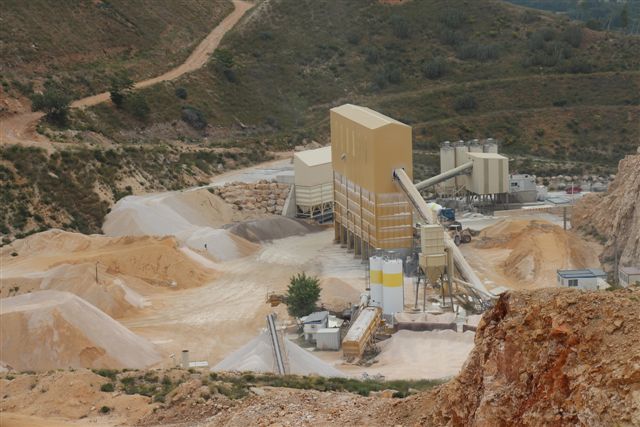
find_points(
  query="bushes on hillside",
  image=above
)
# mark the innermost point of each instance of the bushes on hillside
(194, 118)
(435, 68)
(120, 87)
(479, 52)
(54, 103)
(400, 27)
(465, 102)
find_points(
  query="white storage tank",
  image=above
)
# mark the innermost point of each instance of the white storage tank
(490, 146)
(447, 162)
(375, 281)
(392, 287)
(462, 157)
(474, 146)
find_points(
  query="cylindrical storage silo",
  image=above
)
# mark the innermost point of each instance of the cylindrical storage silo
(461, 151)
(375, 281)
(474, 146)
(392, 287)
(490, 146)
(447, 162)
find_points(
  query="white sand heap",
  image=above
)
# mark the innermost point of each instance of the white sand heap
(257, 356)
(428, 355)
(193, 217)
(51, 330)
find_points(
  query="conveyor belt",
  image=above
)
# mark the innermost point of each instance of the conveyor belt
(429, 216)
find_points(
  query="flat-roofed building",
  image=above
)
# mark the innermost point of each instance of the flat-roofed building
(628, 276)
(588, 278)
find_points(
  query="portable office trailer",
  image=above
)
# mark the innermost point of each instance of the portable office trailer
(328, 339)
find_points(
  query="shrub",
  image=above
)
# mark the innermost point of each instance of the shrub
(120, 88)
(54, 104)
(435, 68)
(400, 27)
(108, 387)
(573, 35)
(105, 410)
(138, 107)
(302, 295)
(181, 93)
(353, 38)
(465, 102)
(194, 118)
(451, 37)
(372, 55)
(453, 18)
(479, 52)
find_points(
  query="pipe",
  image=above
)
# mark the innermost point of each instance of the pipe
(444, 176)
(427, 215)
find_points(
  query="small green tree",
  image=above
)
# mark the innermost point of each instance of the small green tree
(302, 295)
(121, 85)
(54, 103)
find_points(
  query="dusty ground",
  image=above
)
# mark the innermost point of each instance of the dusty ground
(525, 253)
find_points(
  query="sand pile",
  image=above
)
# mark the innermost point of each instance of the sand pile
(193, 217)
(268, 229)
(127, 268)
(558, 357)
(50, 330)
(536, 250)
(257, 356)
(422, 355)
(616, 213)
(337, 294)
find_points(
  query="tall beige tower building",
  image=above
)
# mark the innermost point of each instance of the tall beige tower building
(370, 211)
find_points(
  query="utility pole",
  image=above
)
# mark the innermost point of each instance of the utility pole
(564, 218)
(615, 254)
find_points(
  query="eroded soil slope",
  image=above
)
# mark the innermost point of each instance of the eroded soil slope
(615, 214)
(548, 357)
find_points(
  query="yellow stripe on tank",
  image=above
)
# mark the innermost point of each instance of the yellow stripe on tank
(376, 276)
(392, 280)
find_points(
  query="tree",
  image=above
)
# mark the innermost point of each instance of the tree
(137, 105)
(121, 85)
(54, 103)
(302, 295)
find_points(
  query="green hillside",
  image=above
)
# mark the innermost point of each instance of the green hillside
(544, 85)
(78, 43)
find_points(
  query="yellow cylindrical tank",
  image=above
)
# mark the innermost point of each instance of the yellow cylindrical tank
(392, 286)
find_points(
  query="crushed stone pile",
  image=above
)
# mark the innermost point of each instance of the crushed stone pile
(269, 229)
(53, 330)
(559, 357)
(616, 213)
(257, 356)
(262, 197)
(537, 248)
(193, 217)
(127, 268)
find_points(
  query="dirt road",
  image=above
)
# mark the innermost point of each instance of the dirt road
(20, 128)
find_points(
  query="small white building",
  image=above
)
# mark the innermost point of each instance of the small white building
(313, 323)
(628, 276)
(589, 278)
(313, 183)
(328, 339)
(522, 188)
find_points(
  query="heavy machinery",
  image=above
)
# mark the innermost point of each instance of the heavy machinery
(447, 217)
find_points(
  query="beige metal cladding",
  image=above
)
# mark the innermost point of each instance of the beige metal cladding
(490, 173)
(313, 181)
(366, 148)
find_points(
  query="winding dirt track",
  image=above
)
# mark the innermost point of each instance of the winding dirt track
(20, 128)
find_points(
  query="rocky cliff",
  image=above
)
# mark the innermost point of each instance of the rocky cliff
(555, 357)
(615, 215)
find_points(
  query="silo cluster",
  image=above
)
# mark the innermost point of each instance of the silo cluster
(454, 154)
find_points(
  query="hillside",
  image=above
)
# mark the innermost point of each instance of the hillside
(78, 44)
(546, 86)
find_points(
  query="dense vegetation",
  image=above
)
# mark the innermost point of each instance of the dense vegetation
(598, 14)
(546, 86)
